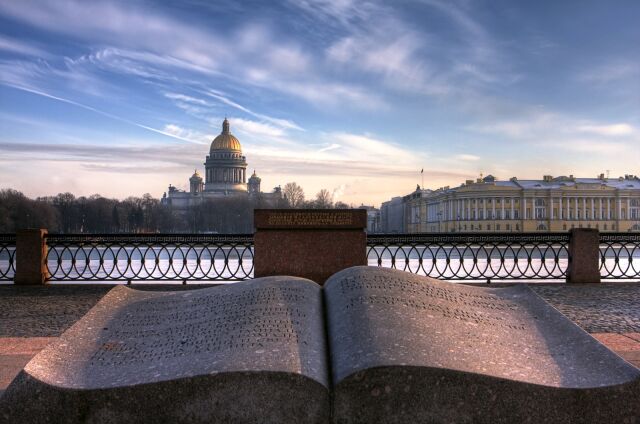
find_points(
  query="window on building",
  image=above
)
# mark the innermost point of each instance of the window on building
(564, 227)
(497, 227)
(517, 227)
(508, 227)
(516, 214)
(488, 227)
(605, 226)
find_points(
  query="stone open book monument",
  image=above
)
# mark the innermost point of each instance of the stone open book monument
(372, 345)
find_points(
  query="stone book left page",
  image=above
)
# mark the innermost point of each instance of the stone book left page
(249, 352)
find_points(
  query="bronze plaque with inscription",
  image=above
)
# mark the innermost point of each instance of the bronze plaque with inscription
(310, 218)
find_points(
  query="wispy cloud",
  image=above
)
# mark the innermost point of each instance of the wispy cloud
(284, 123)
(21, 47)
(92, 109)
(468, 157)
(612, 72)
(613, 130)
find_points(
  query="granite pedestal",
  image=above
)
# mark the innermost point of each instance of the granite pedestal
(312, 243)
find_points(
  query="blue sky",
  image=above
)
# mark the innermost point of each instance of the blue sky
(123, 97)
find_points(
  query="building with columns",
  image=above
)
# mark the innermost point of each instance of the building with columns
(225, 175)
(547, 205)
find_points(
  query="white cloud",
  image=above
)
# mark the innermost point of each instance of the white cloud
(608, 130)
(255, 128)
(185, 98)
(468, 157)
(611, 72)
(185, 134)
(21, 47)
(284, 123)
(330, 147)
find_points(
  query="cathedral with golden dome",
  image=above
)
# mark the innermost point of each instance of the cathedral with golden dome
(225, 175)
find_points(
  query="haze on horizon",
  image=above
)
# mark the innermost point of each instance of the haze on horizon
(124, 97)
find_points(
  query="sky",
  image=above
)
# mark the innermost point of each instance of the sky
(122, 98)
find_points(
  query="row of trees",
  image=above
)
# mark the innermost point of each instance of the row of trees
(294, 198)
(66, 213)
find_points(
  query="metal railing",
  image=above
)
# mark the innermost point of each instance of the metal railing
(183, 257)
(488, 256)
(127, 257)
(7, 257)
(619, 255)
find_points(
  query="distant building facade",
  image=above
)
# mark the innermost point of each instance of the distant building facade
(225, 175)
(547, 205)
(373, 218)
(392, 216)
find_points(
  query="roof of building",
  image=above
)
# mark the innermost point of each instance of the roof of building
(628, 182)
(196, 175)
(226, 141)
(254, 177)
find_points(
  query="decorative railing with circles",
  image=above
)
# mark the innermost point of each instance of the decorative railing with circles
(186, 257)
(619, 255)
(7, 257)
(127, 257)
(485, 257)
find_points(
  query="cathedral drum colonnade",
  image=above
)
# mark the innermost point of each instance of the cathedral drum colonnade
(225, 175)
(225, 167)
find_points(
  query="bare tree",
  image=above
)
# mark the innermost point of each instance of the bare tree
(294, 195)
(324, 199)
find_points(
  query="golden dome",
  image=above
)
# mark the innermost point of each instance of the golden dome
(196, 175)
(226, 140)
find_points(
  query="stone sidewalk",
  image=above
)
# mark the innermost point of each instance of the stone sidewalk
(30, 317)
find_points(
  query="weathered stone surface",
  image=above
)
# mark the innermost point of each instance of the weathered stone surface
(328, 219)
(251, 352)
(31, 251)
(312, 244)
(407, 348)
(584, 250)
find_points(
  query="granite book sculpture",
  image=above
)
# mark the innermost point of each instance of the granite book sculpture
(372, 345)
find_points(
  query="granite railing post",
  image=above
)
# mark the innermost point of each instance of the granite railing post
(309, 243)
(31, 254)
(584, 251)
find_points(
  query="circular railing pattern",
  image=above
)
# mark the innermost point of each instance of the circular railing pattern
(7, 257)
(474, 256)
(150, 257)
(619, 255)
(182, 257)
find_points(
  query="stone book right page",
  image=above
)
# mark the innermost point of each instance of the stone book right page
(406, 348)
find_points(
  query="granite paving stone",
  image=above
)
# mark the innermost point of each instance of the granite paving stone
(597, 308)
